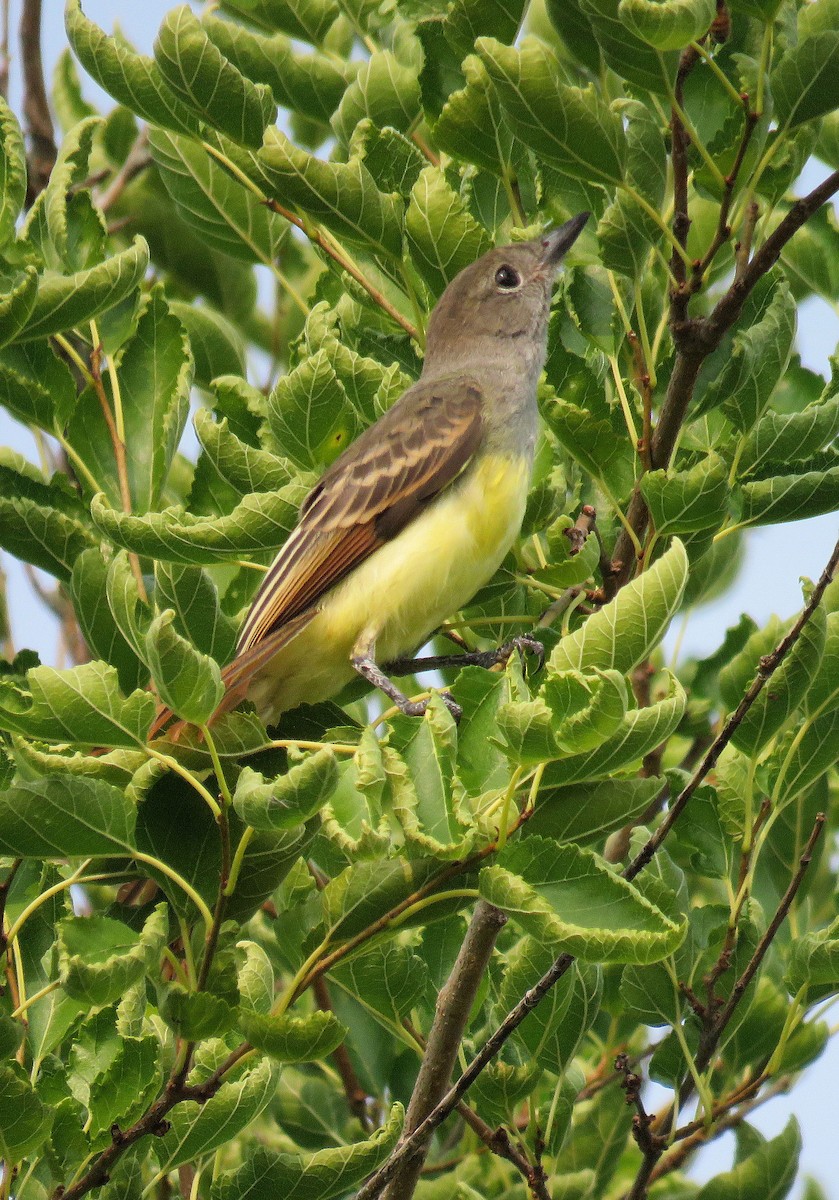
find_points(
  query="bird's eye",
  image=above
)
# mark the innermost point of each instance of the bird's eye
(507, 278)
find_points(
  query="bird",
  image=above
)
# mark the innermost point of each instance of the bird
(416, 514)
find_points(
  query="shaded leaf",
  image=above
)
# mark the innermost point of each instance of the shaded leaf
(289, 1039)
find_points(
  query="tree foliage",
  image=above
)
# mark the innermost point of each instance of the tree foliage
(223, 953)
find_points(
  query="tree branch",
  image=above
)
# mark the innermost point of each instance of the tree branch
(452, 1012)
(36, 109)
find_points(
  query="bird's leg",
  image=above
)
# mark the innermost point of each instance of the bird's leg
(364, 662)
(472, 658)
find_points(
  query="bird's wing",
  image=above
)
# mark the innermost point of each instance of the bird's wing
(376, 488)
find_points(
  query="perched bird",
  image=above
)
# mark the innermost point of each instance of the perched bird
(418, 513)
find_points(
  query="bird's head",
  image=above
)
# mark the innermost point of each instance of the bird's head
(499, 300)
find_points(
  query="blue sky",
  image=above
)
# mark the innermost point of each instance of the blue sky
(769, 582)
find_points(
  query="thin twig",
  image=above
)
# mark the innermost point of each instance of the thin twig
(316, 235)
(723, 230)
(451, 1014)
(357, 1098)
(36, 109)
(137, 160)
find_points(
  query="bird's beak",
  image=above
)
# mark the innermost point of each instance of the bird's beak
(557, 242)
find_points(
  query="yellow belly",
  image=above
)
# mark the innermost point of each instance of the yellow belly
(402, 592)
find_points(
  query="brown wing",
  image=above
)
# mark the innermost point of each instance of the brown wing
(377, 486)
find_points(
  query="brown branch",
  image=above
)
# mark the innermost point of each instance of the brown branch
(137, 160)
(451, 1014)
(649, 1143)
(357, 1098)
(315, 235)
(723, 230)
(36, 109)
(766, 668)
(680, 294)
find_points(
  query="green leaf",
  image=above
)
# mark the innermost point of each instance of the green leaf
(81, 705)
(310, 84)
(194, 598)
(570, 127)
(245, 468)
(259, 522)
(688, 501)
(16, 304)
(98, 959)
(769, 1172)
(588, 812)
(219, 209)
(195, 1016)
(199, 1129)
(131, 78)
(791, 438)
(805, 83)
(44, 524)
(290, 1039)
(441, 234)
(471, 125)
(155, 376)
(65, 817)
(789, 497)
(593, 442)
(385, 90)
(626, 230)
(309, 415)
(624, 631)
(668, 24)
(783, 693)
(217, 346)
(569, 896)
(24, 1120)
(125, 1090)
(186, 680)
(387, 979)
(309, 20)
(814, 959)
(642, 730)
(67, 300)
(36, 386)
(207, 83)
(289, 799)
(757, 360)
(320, 1176)
(255, 978)
(12, 173)
(341, 195)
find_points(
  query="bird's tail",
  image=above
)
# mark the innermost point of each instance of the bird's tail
(236, 677)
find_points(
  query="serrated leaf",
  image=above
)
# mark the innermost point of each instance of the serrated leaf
(783, 693)
(309, 20)
(569, 896)
(12, 172)
(186, 680)
(587, 812)
(570, 127)
(642, 730)
(199, 1129)
(255, 977)
(319, 1176)
(309, 415)
(471, 125)
(789, 497)
(387, 979)
(259, 522)
(44, 524)
(385, 90)
(289, 1039)
(81, 705)
(210, 85)
(769, 1172)
(24, 1120)
(341, 195)
(805, 83)
(217, 346)
(688, 501)
(442, 236)
(195, 1016)
(131, 78)
(129, 1085)
(357, 896)
(245, 468)
(593, 442)
(624, 631)
(311, 84)
(36, 386)
(633, 59)
(290, 799)
(65, 817)
(668, 24)
(67, 300)
(218, 208)
(794, 437)
(814, 959)
(194, 598)
(98, 959)
(17, 303)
